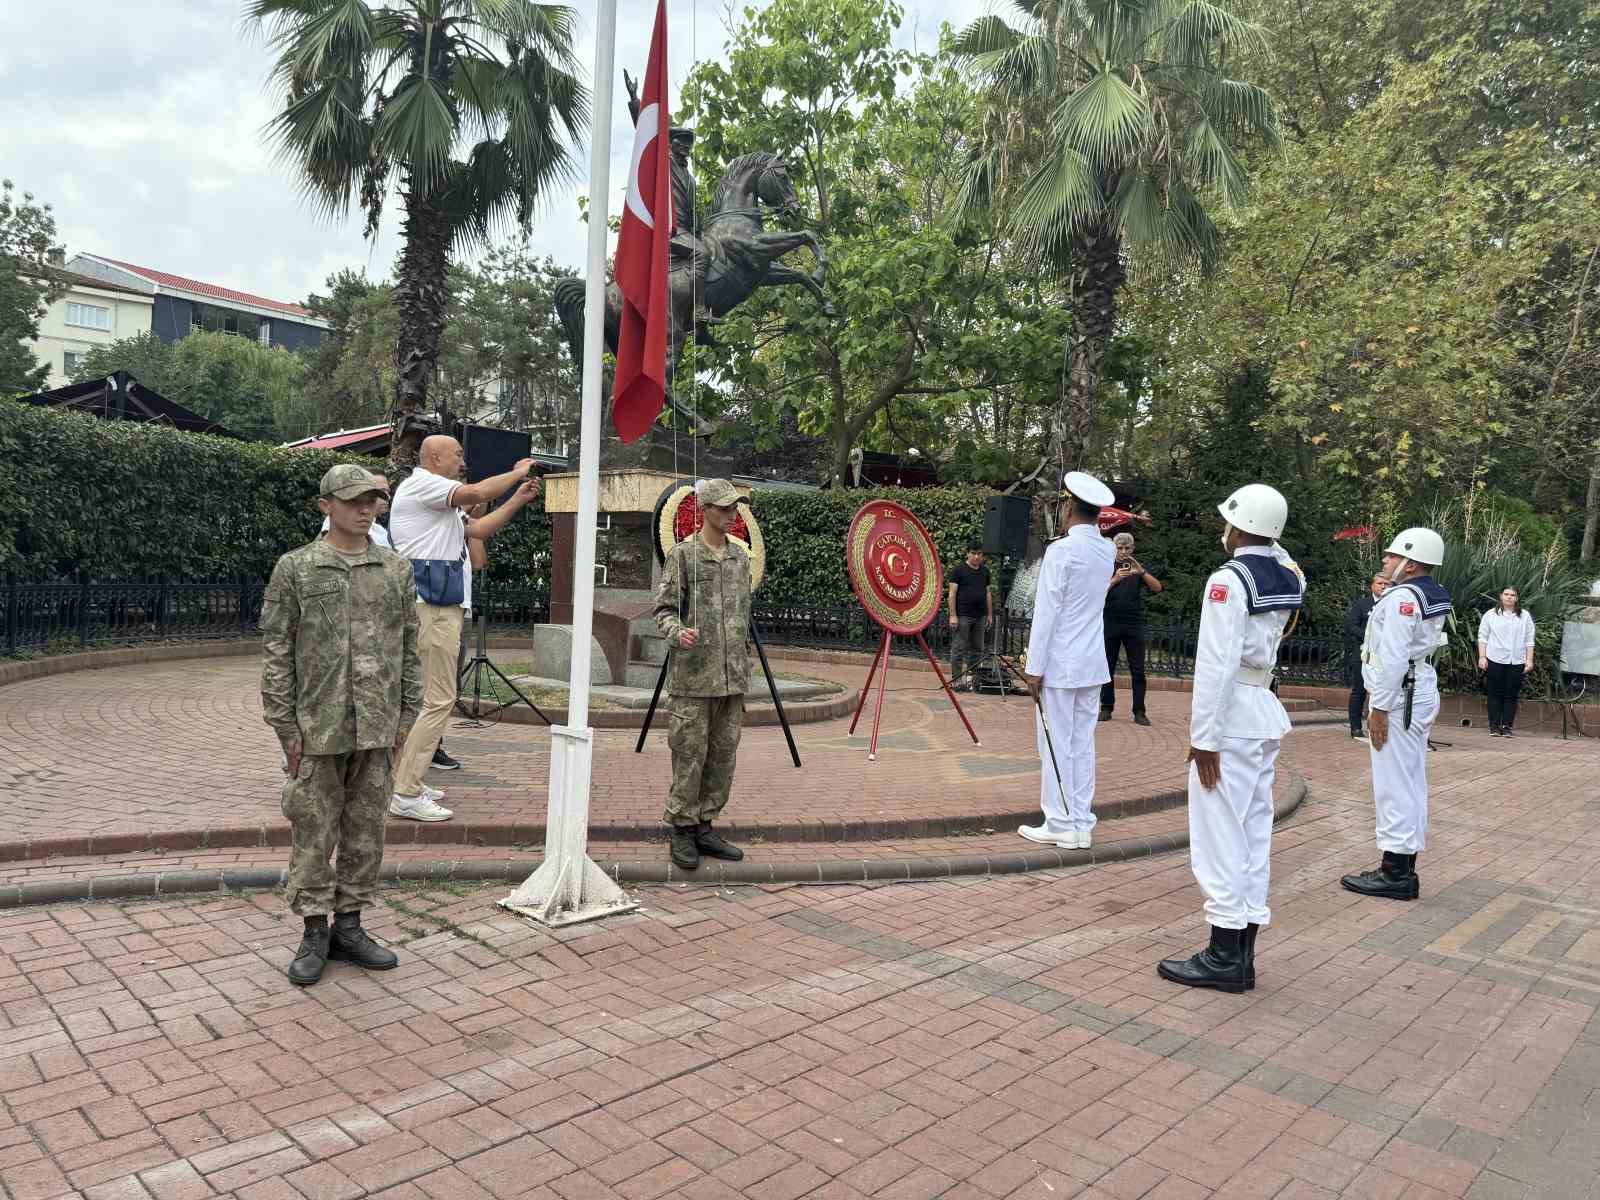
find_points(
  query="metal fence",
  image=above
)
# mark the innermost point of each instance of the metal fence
(54, 617)
(49, 617)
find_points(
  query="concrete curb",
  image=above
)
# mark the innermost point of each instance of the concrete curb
(156, 885)
(527, 833)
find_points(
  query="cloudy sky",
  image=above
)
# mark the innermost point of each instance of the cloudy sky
(140, 122)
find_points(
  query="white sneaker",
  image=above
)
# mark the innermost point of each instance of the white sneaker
(432, 793)
(1085, 839)
(1042, 835)
(417, 808)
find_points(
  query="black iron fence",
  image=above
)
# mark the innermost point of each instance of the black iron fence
(56, 617)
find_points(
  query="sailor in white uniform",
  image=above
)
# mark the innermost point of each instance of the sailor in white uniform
(1235, 723)
(1406, 627)
(1067, 663)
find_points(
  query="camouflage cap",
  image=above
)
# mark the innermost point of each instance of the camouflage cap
(717, 491)
(348, 481)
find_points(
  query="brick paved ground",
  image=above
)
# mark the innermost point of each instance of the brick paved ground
(120, 754)
(963, 1039)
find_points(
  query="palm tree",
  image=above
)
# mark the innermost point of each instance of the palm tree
(1111, 126)
(471, 107)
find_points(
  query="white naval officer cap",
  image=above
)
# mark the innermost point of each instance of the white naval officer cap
(1086, 487)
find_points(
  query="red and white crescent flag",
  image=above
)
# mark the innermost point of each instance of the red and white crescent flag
(648, 223)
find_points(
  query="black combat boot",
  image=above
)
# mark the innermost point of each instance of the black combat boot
(312, 956)
(1248, 945)
(1394, 879)
(1220, 965)
(352, 944)
(685, 854)
(714, 844)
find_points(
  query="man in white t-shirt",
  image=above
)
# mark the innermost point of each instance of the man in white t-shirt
(427, 526)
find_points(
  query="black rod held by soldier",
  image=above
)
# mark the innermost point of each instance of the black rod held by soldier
(341, 685)
(703, 610)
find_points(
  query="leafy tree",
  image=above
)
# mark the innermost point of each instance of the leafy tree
(27, 286)
(251, 389)
(941, 341)
(1114, 130)
(505, 358)
(375, 97)
(350, 376)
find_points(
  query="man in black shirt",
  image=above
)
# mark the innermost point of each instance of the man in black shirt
(971, 611)
(1124, 623)
(1355, 632)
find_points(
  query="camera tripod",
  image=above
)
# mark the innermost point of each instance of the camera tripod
(484, 705)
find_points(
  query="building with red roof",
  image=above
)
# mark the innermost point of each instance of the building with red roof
(182, 305)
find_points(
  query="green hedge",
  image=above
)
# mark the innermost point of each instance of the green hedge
(125, 500)
(129, 500)
(805, 534)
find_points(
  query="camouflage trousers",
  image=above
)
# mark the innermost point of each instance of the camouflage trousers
(704, 738)
(337, 803)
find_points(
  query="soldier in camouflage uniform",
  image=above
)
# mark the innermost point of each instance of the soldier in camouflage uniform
(703, 610)
(341, 685)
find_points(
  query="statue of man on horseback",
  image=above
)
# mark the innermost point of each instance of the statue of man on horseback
(716, 264)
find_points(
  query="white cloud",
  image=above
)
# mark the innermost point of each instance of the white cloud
(140, 122)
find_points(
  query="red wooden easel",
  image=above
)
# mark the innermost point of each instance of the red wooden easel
(882, 657)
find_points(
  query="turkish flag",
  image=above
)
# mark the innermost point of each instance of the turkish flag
(641, 264)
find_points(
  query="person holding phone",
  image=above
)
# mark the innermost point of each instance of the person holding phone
(1124, 626)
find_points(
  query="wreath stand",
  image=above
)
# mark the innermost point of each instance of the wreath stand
(882, 657)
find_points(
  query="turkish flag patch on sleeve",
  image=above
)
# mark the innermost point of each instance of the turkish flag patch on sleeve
(1407, 609)
(1218, 593)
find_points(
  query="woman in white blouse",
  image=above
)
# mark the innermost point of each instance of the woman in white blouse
(1505, 652)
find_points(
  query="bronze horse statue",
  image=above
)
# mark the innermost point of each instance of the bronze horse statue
(714, 273)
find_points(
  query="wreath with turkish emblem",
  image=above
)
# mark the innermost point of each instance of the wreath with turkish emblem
(678, 515)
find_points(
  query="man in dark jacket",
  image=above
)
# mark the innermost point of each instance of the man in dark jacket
(1355, 630)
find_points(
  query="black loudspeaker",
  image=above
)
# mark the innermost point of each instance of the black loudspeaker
(493, 451)
(1005, 526)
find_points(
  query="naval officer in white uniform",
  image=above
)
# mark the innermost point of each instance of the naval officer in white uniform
(1235, 723)
(1067, 663)
(1406, 627)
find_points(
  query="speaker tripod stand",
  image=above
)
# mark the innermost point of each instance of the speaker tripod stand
(476, 710)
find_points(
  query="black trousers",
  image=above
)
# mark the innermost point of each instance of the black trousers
(1358, 704)
(1504, 684)
(1131, 639)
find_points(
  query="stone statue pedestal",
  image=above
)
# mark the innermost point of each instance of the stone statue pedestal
(660, 450)
(625, 562)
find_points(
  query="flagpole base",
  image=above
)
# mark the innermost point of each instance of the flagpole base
(547, 896)
(569, 887)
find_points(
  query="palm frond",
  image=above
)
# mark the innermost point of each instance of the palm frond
(1211, 161)
(1201, 26)
(1239, 108)
(1104, 120)
(417, 127)
(1064, 191)
(1163, 221)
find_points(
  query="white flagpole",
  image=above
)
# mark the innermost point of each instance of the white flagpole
(568, 886)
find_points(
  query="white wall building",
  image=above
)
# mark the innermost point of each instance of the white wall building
(91, 312)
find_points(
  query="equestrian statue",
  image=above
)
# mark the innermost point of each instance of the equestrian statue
(715, 263)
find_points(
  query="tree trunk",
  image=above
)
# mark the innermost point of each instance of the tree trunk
(1591, 511)
(421, 295)
(1096, 276)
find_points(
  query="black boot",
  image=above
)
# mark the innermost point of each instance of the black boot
(1248, 945)
(1394, 879)
(714, 844)
(312, 956)
(1220, 965)
(351, 943)
(685, 854)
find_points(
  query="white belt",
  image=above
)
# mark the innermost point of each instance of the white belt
(1254, 676)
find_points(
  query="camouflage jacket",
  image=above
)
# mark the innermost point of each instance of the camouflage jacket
(699, 590)
(339, 663)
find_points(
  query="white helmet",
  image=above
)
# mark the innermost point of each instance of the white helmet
(1258, 509)
(1419, 545)
(1087, 488)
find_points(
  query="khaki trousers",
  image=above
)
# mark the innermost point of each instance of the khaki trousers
(438, 644)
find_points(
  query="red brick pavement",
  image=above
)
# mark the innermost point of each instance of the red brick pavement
(176, 755)
(962, 1039)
